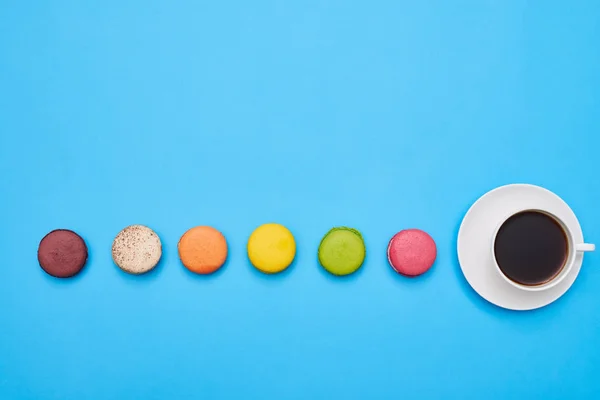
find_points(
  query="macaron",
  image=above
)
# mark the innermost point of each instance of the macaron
(342, 251)
(202, 249)
(136, 249)
(411, 252)
(62, 253)
(271, 248)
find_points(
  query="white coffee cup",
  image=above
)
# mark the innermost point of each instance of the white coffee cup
(572, 251)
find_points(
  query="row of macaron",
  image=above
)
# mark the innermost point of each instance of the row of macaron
(271, 248)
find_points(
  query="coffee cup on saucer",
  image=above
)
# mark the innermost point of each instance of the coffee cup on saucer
(521, 246)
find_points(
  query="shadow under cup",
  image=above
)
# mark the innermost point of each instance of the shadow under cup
(532, 248)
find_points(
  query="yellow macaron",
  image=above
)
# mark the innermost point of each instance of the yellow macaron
(271, 248)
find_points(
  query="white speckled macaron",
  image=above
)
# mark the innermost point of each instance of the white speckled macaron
(136, 249)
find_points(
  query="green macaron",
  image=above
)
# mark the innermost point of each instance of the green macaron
(342, 251)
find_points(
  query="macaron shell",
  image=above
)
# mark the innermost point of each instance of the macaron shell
(137, 249)
(62, 253)
(342, 251)
(202, 249)
(271, 248)
(412, 252)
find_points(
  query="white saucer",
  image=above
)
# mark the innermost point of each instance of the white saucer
(475, 240)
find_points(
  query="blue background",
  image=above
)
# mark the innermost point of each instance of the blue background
(380, 115)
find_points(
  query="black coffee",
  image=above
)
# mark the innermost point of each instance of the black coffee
(531, 248)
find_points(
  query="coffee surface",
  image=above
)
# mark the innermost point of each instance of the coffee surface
(531, 248)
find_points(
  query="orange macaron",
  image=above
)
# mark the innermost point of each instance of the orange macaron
(202, 249)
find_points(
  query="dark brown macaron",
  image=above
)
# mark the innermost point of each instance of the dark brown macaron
(62, 253)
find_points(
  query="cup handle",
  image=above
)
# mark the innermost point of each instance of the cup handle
(585, 247)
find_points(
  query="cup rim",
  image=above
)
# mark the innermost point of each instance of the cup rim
(564, 270)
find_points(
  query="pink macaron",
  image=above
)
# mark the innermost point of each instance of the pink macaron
(411, 252)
